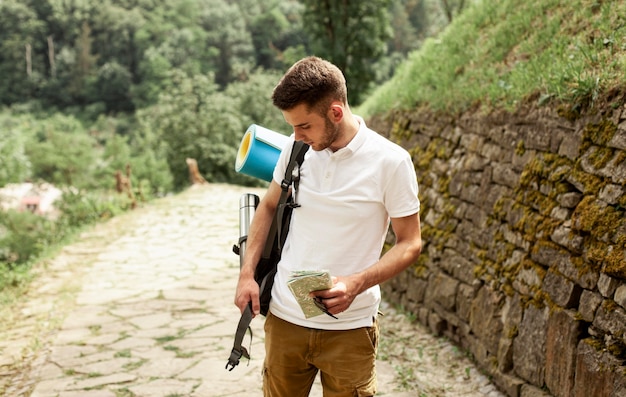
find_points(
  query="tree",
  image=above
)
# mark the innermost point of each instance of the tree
(61, 152)
(14, 164)
(19, 66)
(228, 40)
(195, 120)
(112, 86)
(452, 8)
(350, 33)
(254, 102)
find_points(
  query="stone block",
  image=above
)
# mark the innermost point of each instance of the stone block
(505, 354)
(607, 285)
(560, 213)
(619, 138)
(562, 291)
(570, 146)
(564, 237)
(616, 169)
(494, 152)
(512, 313)
(472, 142)
(422, 315)
(472, 194)
(610, 318)
(611, 193)
(528, 279)
(505, 175)
(529, 355)
(564, 265)
(537, 138)
(442, 291)
(520, 161)
(570, 199)
(561, 348)
(589, 303)
(508, 384)
(620, 295)
(493, 193)
(464, 271)
(486, 317)
(416, 290)
(464, 297)
(478, 351)
(436, 324)
(595, 371)
(532, 391)
(456, 184)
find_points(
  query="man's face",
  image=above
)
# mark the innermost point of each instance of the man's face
(317, 131)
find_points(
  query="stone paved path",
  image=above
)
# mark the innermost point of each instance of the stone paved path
(142, 306)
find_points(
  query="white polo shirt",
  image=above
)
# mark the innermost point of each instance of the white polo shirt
(347, 198)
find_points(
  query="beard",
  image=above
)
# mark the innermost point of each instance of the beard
(331, 133)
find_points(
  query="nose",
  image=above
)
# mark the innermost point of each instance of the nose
(298, 136)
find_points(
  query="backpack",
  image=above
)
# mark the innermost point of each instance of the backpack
(266, 268)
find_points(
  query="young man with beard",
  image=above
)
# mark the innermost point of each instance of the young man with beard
(352, 184)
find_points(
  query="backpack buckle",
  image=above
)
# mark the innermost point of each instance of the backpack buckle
(235, 355)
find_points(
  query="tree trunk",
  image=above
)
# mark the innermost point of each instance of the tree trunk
(29, 64)
(53, 67)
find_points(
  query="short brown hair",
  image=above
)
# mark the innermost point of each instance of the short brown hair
(312, 81)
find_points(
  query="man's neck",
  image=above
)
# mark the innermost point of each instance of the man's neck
(349, 127)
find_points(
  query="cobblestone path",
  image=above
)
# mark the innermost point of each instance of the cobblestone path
(141, 306)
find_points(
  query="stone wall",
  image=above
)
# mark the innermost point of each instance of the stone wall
(524, 227)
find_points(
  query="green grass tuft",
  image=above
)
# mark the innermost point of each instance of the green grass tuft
(498, 54)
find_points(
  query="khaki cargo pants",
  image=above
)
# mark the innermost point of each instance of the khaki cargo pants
(294, 355)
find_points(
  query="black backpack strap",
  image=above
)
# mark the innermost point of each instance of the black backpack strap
(292, 175)
(238, 349)
(297, 157)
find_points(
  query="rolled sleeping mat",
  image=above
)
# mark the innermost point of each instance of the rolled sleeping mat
(258, 152)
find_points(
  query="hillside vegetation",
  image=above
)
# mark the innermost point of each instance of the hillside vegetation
(500, 53)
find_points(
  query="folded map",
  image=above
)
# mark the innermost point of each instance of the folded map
(303, 282)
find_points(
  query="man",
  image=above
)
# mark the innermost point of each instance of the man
(352, 183)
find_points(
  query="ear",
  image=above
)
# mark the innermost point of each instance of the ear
(336, 111)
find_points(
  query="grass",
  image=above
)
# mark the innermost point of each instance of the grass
(498, 54)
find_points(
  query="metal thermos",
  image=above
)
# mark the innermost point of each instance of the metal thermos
(247, 206)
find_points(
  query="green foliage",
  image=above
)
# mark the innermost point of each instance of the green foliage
(112, 86)
(93, 87)
(19, 35)
(197, 121)
(60, 152)
(352, 35)
(254, 104)
(23, 236)
(230, 44)
(499, 53)
(80, 208)
(14, 164)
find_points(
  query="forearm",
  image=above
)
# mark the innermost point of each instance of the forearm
(393, 262)
(259, 230)
(257, 235)
(402, 255)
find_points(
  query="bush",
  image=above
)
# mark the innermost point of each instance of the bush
(25, 237)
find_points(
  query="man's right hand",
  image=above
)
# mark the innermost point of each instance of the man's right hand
(248, 291)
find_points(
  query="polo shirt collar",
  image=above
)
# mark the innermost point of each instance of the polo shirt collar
(356, 142)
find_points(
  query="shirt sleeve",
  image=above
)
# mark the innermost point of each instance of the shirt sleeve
(401, 192)
(283, 161)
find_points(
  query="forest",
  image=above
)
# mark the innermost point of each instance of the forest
(88, 87)
(135, 87)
